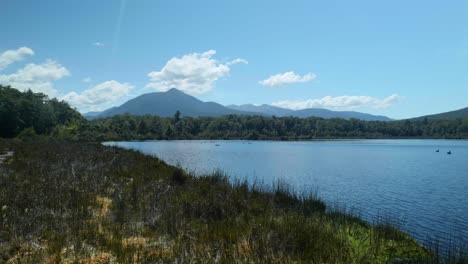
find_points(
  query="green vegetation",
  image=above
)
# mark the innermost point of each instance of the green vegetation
(127, 127)
(36, 112)
(65, 202)
(79, 203)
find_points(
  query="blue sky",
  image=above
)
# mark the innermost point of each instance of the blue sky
(395, 58)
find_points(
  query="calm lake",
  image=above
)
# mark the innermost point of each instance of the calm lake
(425, 192)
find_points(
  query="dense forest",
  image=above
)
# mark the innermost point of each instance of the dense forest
(127, 127)
(28, 112)
(35, 112)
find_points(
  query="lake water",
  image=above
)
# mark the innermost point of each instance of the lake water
(424, 191)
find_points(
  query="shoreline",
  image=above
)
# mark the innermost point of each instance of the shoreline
(282, 209)
(281, 140)
(238, 168)
(291, 140)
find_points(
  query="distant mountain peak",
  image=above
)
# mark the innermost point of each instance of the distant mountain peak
(167, 103)
(175, 90)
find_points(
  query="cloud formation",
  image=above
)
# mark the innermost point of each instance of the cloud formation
(287, 78)
(37, 77)
(99, 97)
(10, 56)
(341, 102)
(193, 73)
(235, 61)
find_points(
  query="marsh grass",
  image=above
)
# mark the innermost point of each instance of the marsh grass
(455, 252)
(88, 203)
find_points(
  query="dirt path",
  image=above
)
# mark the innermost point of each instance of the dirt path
(3, 157)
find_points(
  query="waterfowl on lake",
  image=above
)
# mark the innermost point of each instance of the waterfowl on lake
(437, 150)
(217, 145)
(449, 152)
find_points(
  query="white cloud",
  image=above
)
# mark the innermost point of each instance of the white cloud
(87, 80)
(98, 44)
(99, 97)
(10, 56)
(341, 102)
(237, 61)
(287, 78)
(37, 77)
(193, 73)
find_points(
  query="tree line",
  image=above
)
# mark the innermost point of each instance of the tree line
(129, 127)
(31, 113)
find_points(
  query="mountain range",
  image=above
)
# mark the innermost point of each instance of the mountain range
(317, 112)
(165, 104)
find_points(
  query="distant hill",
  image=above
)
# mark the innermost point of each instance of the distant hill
(167, 103)
(325, 113)
(461, 113)
(91, 115)
(262, 109)
(309, 112)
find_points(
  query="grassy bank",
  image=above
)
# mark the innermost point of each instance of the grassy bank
(87, 203)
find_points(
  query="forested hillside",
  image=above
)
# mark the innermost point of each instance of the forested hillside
(28, 110)
(461, 113)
